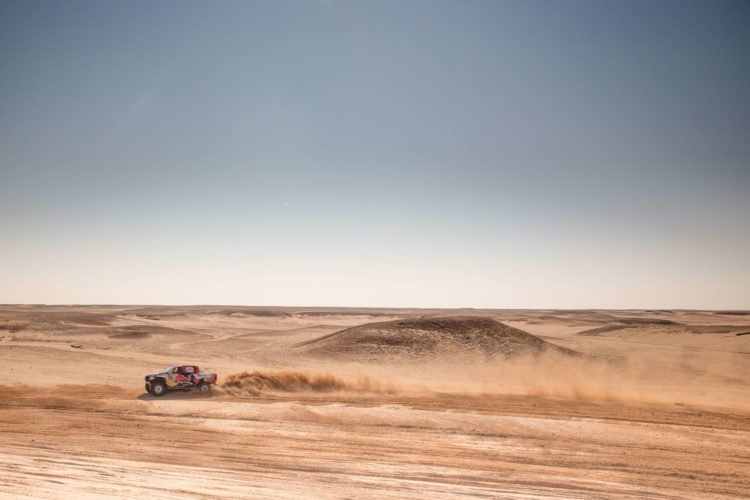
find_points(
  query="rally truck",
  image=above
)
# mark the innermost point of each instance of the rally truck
(180, 378)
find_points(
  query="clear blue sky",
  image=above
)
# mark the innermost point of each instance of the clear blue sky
(383, 153)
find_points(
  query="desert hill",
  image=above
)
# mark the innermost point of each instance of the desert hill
(427, 337)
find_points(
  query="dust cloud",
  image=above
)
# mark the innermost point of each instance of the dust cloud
(715, 378)
(255, 383)
(676, 378)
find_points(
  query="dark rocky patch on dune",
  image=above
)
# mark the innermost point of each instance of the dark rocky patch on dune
(44, 319)
(133, 332)
(262, 313)
(13, 327)
(601, 330)
(161, 313)
(128, 336)
(153, 317)
(268, 314)
(645, 321)
(715, 328)
(663, 328)
(618, 324)
(316, 314)
(157, 313)
(421, 339)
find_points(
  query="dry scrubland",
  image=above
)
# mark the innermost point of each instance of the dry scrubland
(376, 403)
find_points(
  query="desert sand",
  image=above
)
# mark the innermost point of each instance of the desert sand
(375, 403)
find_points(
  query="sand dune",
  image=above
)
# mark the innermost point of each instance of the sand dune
(425, 339)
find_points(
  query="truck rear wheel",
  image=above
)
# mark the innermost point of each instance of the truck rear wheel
(204, 388)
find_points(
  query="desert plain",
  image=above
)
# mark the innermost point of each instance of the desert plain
(375, 403)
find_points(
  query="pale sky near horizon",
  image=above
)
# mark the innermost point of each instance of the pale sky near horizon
(505, 154)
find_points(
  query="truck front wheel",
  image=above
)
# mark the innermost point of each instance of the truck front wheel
(158, 388)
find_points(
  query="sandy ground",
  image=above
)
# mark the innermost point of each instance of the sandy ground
(658, 406)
